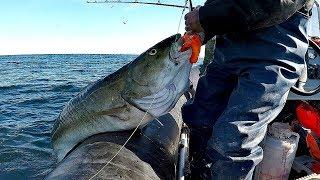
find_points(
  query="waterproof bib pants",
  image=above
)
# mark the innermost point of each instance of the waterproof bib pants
(242, 91)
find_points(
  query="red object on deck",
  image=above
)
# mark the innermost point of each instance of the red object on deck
(315, 167)
(313, 148)
(316, 40)
(192, 41)
(308, 117)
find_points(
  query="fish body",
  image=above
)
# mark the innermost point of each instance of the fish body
(152, 83)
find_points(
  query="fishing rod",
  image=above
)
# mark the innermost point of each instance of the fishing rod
(190, 5)
(141, 2)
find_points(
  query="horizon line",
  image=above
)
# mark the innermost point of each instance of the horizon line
(33, 54)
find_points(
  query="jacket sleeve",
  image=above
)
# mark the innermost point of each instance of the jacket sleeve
(226, 16)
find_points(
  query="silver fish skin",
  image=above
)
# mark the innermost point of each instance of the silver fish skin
(153, 82)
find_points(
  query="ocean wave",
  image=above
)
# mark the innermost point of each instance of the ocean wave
(10, 87)
(35, 101)
(78, 70)
(65, 88)
(27, 91)
(24, 154)
(14, 62)
(43, 79)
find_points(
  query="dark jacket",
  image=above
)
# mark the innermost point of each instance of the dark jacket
(227, 16)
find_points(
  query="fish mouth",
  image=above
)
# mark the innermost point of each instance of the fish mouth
(174, 53)
(173, 57)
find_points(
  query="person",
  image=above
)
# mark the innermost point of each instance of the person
(259, 56)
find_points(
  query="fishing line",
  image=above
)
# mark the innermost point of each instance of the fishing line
(145, 114)
(186, 2)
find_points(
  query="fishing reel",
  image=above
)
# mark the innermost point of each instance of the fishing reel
(310, 71)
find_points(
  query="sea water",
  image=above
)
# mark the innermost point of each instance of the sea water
(33, 91)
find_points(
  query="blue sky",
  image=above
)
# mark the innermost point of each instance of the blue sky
(73, 26)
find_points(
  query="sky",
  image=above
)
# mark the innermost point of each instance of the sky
(74, 26)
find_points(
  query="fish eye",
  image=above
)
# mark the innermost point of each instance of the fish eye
(153, 52)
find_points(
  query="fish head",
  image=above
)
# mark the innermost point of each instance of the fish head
(158, 77)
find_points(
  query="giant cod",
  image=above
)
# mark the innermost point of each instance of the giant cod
(144, 89)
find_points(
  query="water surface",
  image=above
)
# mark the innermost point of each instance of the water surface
(33, 91)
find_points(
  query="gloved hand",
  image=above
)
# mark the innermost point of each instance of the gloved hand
(194, 42)
(192, 21)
